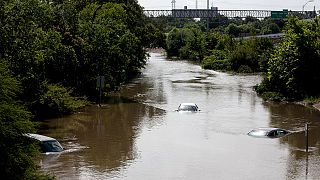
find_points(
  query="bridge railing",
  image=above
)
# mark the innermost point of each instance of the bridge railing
(209, 13)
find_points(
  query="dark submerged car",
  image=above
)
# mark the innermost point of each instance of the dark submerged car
(47, 144)
(268, 132)
(188, 107)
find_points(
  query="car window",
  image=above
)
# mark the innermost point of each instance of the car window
(280, 132)
(187, 108)
(272, 133)
(51, 146)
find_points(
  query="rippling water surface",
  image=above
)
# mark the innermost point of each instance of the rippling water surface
(137, 135)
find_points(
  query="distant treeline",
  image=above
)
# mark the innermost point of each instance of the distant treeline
(291, 65)
(217, 49)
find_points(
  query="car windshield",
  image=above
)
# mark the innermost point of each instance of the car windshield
(187, 108)
(51, 146)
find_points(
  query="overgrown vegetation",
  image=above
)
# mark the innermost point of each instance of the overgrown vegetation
(293, 69)
(57, 101)
(219, 51)
(235, 27)
(16, 151)
(71, 43)
(51, 53)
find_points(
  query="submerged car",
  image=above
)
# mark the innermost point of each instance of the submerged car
(268, 132)
(188, 107)
(47, 144)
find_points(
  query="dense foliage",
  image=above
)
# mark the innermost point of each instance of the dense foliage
(293, 69)
(235, 27)
(70, 43)
(218, 44)
(51, 52)
(16, 151)
(219, 51)
(251, 26)
(186, 43)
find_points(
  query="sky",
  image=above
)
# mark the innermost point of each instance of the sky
(295, 5)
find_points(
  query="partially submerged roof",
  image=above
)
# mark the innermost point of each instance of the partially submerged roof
(188, 104)
(265, 132)
(267, 129)
(40, 137)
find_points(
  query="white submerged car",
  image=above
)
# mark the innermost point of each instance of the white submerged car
(268, 132)
(188, 107)
(47, 144)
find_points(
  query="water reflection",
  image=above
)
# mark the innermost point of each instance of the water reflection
(294, 117)
(107, 132)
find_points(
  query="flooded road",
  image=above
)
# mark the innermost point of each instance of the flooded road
(137, 135)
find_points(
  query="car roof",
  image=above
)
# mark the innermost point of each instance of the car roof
(40, 137)
(268, 129)
(188, 104)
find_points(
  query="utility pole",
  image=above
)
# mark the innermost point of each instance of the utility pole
(196, 4)
(173, 2)
(307, 136)
(208, 14)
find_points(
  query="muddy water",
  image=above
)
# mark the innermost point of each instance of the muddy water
(137, 135)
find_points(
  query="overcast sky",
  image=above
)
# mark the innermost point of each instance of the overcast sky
(234, 4)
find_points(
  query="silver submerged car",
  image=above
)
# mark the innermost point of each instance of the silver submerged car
(188, 107)
(47, 144)
(268, 132)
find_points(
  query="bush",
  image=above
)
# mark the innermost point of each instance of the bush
(312, 100)
(252, 53)
(246, 56)
(216, 65)
(293, 69)
(57, 100)
(272, 96)
(217, 61)
(16, 151)
(244, 69)
(186, 43)
(186, 53)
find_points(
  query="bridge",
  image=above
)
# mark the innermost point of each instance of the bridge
(211, 13)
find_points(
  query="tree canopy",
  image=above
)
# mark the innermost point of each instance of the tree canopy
(70, 43)
(293, 69)
(51, 52)
(15, 150)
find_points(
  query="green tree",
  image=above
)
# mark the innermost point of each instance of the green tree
(233, 30)
(176, 39)
(186, 43)
(250, 53)
(293, 69)
(110, 48)
(53, 42)
(218, 60)
(195, 45)
(16, 151)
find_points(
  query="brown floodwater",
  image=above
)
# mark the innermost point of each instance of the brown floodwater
(137, 135)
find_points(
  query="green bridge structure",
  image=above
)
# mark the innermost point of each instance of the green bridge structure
(211, 13)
